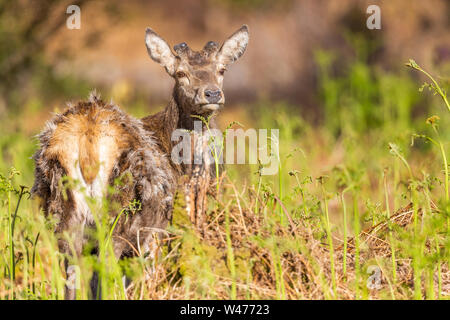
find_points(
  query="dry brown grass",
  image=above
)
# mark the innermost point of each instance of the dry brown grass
(261, 245)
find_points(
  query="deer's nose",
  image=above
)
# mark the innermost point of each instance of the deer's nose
(213, 96)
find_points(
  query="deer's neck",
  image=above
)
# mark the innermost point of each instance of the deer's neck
(185, 117)
(175, 116)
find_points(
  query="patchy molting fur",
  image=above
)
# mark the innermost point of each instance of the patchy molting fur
(95, 143)
(194, 72)
(194, 179)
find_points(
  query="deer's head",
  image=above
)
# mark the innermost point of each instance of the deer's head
(198, 74)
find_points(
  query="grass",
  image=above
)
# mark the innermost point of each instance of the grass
(362, 193)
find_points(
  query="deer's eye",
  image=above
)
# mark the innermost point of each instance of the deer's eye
(181, 74)
(222, 71)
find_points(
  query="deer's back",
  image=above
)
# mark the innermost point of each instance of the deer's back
(95, 144)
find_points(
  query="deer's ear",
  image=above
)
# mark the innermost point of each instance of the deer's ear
(234, 47)
(159, 51)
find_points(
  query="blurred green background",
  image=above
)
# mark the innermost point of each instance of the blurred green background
(339, 93)
(312, 68)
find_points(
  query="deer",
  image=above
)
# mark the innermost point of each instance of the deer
(197, 92)
(95, 143)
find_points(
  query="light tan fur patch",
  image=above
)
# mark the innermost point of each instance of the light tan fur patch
(90, 140)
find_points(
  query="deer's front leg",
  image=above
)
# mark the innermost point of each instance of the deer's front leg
(196, 194)
(200, 173)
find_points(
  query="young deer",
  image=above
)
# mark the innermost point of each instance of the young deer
(95, 144)
(198, 91)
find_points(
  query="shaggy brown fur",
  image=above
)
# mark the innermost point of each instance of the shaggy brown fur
(198, 92)
(195, 180)
(96, 144)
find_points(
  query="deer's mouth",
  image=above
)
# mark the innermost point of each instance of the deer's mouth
(211, 106)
